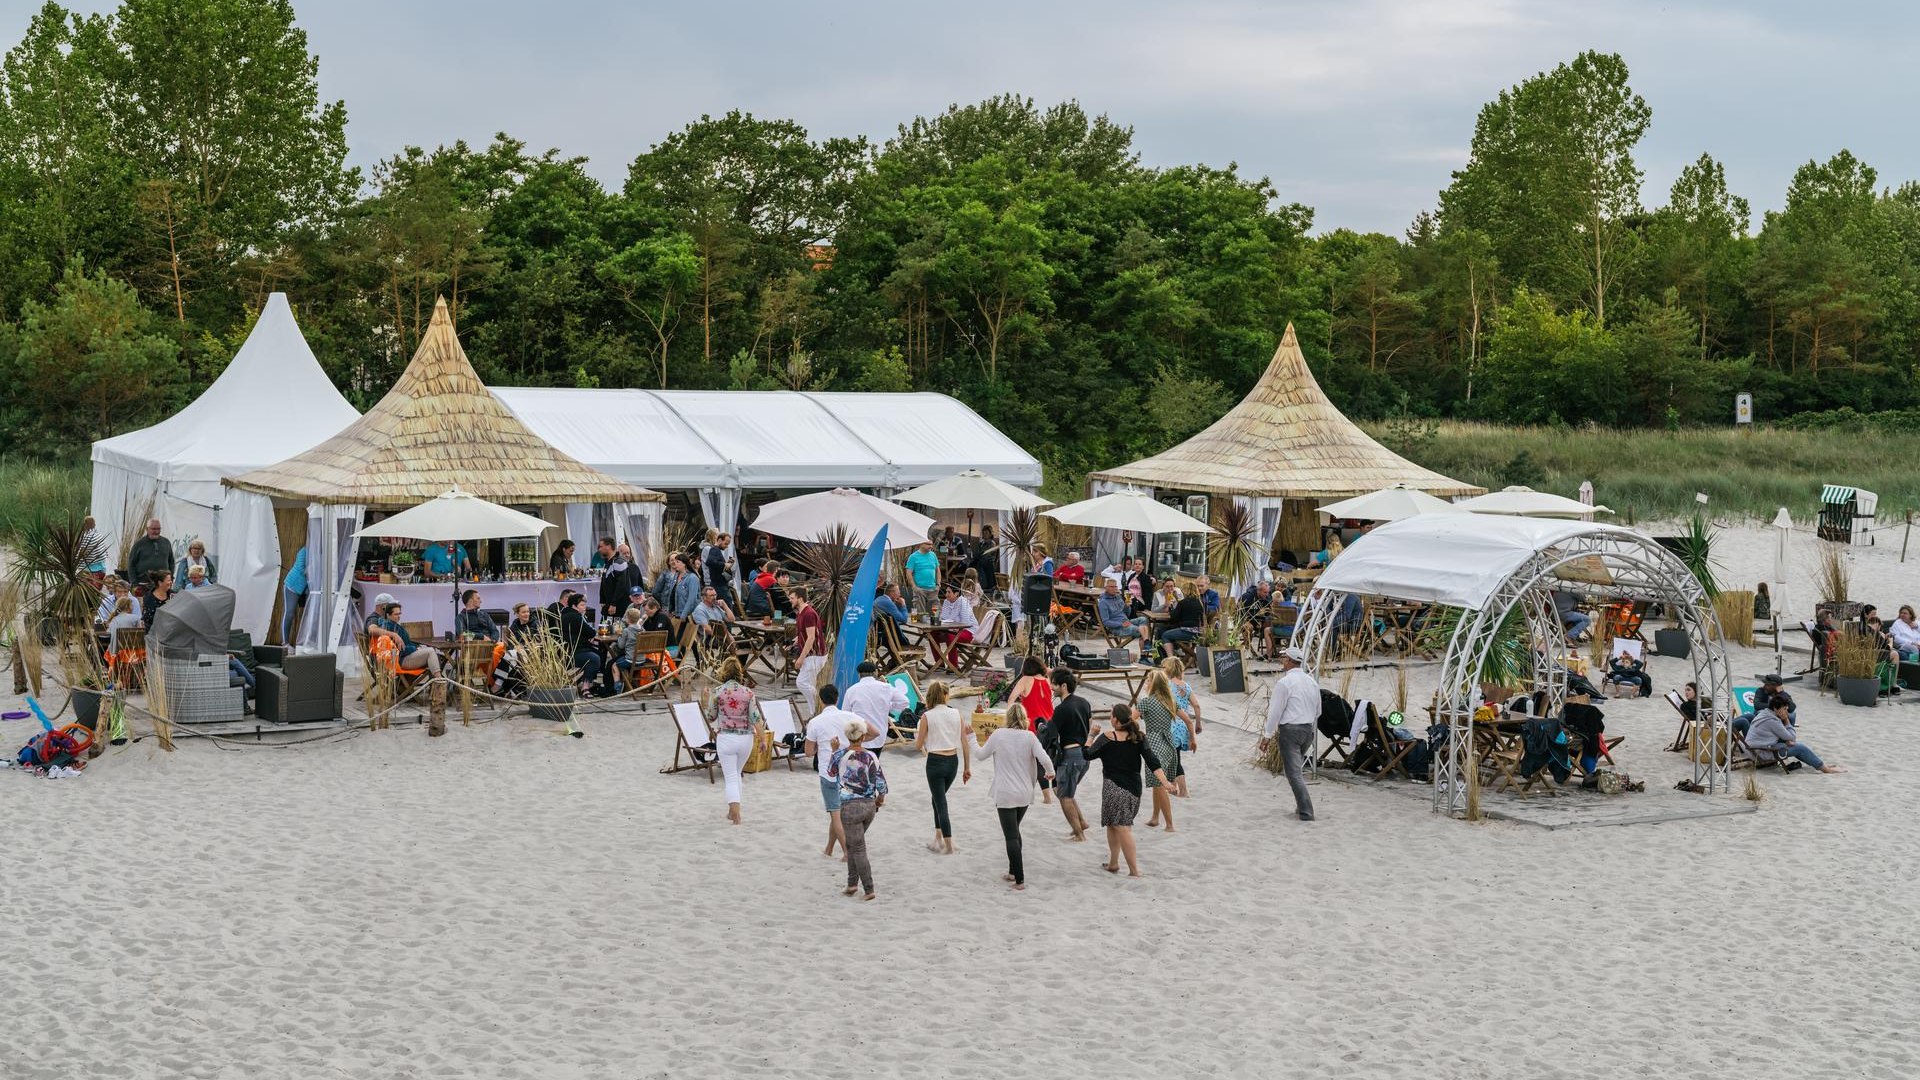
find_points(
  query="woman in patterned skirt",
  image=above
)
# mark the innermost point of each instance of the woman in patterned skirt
(1156, 718)
(1120, 756)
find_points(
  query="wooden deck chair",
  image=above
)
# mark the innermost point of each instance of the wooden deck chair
(1390, 754)
(889, 652)
(127, 661)
(971, 654)
(385, 654)
(693, 740)
(651, 660)
(778, 715)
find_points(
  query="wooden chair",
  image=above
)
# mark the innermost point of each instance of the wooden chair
(127, 663)
(419, 630)
(971, 654)
(890, 654)
(693, 740)
(651, 662)
(382, 653)
(1390, 753)
(777, 713)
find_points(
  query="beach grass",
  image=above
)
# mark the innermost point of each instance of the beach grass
(29, 488)
(1648, 475)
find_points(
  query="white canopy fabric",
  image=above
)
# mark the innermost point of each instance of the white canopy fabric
(1135, 510)
(750, 440)
(271, 403)
(1451, 559)
(972, 489)
(1388, 504)
(1527, 502)
(807, 517)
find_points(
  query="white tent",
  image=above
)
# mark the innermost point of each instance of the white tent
(721, 443)
(271, 403)
(1451, 559)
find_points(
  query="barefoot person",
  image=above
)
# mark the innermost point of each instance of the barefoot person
(736, 724)
(863, 791)
(1072, 722)
(1186, 719)
(1773, 730)
(949, 754)
(827, 733)
(1016, 756)
(1156, 719)
(1120, 756)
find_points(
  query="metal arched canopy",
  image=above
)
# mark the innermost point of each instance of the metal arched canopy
(1491, 566)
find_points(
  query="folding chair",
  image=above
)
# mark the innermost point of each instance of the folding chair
(777, 713)
(889, 651)
(971, 654)
(128, 660)
(1391, 753)
(650, 662)
(693, 738)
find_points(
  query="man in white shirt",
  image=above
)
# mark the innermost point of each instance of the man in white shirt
(1290, 718)
(874, 700)
(826, 732)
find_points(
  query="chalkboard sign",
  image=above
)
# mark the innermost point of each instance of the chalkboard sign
(1229, 676)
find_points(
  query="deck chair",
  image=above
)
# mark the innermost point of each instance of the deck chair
(652, 662)
(971, 654)
(1378, 746)
(128, 659)
(1338, 731)
(693, 740)
(777, 713)
(889, 653)
(384, 654)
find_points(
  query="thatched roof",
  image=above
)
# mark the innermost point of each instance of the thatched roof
(437, 429)
(1284, 439)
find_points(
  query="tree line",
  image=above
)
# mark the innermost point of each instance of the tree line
(167, 165)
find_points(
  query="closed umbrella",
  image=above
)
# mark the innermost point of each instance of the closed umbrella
(1521, 501)
(1782, 546)
(1388, 504)
(808, 517)
(1135, 510)
(1586, 498)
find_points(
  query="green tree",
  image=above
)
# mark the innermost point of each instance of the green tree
(1542, 365)
(1694, 245)
(654, 277)
(1811, 271)
(96, 354)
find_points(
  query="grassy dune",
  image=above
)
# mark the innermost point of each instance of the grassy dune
(36, 487)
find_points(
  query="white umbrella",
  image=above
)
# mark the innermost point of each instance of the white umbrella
(1388, 504)
(972, 490)
(808, 517)
(1526, 502)
(1134, 510)
(1783, 542)
(458, 515)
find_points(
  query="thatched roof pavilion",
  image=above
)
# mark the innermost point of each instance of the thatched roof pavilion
(437, 429)
(1284, 440)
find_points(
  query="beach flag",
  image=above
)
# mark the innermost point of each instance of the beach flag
(851, 646)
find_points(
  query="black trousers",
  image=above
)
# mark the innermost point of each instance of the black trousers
(942, 770)
(1010, 828)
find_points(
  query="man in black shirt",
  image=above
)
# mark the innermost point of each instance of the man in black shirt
(474, 621)
(1183, 623)
(1072, 718)
(621, 579)
(150, 553)
(719, 568)
(576, 629)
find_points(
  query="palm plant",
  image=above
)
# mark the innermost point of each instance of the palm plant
(1018, 538)
(831, 560)
(52, 583)
(1233, 557)
(1509, 660)
(1695, 549)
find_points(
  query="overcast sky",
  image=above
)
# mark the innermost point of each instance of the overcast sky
(1357, 108)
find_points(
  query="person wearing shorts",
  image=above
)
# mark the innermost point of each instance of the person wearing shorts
(1072, 717)
(825, 734)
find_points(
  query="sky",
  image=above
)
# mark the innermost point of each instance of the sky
(1358, 108)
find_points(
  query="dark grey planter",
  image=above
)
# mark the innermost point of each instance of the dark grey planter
(86, 708)
(1862, 692)
(552, 704)
(1672, 642)
(1203, 661)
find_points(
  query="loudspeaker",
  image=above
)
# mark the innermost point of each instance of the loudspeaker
(1036, 598)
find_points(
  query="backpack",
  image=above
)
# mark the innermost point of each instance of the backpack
(1336, 715)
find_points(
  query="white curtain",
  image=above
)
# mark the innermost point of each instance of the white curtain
(248, 547)
(580, 531)
(642, 525)
(721, 507)
(1264, 511)
(331, 545)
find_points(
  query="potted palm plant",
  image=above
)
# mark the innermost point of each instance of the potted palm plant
(50, 575)
(546, 666)
(1234, 556)
(1857, 656)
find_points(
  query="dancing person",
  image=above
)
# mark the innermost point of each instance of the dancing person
(736, 724)
(1015, 752)
(1120, 756)
(949, 754)
(826, 736)
(1186, 718)
(863, 791)
(1035, 696)
(1157, 710)
(1072, 724)
(874, 700)
(1291, 715)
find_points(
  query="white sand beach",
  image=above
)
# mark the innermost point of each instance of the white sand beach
(508, 903)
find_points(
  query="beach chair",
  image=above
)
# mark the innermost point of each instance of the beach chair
(128, 660)
(693, 741)
(1339, 731)
(889, 652)
(777, 713)
(971, 654)
(1388, 754)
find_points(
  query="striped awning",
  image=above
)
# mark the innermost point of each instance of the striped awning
(1864, 502)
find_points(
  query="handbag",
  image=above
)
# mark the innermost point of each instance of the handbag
(761, 758)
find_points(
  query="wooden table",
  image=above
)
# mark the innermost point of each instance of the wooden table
(766, 641)
(1078, 602)
(1134, 675)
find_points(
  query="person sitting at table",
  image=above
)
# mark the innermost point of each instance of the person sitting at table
(506, 665)
(577, 632)
(474, 622)
(1184, 619)
(1906, 633)
(1209, 596)
(159, 588)
(1629, 670)
(197, 556)
(623, 657)
(712, 614)
(621, 580)
(1165, 595)
(780, 594)
(1115, 619)
(1889, 665)
(948, 542)
(445, 557)
(1581, 718)
(970, 587)
(654, 619)
(1576, 622)
(1258, 596)
(755, 602)
(124, 618)
(923, 569)
(955, 611)
(892, 604)
(385, 623)
(111, 591)
(1071, 572)
(1038, 562)
(196, 578)
(560, 563)
(1770, 731)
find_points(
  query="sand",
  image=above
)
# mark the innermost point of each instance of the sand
(507, 903)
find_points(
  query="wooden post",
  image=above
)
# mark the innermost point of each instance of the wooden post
(437, 709)
(1906, 537)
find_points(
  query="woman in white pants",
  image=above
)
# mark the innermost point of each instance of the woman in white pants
(736, 725)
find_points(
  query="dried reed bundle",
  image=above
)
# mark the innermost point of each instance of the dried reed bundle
(1857, 654)
(545, 661)
(1832, 573)
(1735, 609)
(1752, 793)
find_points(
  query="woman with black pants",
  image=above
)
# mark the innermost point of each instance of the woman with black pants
(949, 754)
(1015, 753)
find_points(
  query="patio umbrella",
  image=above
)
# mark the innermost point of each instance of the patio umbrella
(1525, 502)
(972, 490)
(808, 517)
(458, 515)
(1135, 510)
(193, 622)
(1388, 504)
(1782, 546)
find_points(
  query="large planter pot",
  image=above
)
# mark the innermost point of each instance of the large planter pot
(1862, 692)
(1203, 661)
(554, 704)
(86, 708)
(1672, 642)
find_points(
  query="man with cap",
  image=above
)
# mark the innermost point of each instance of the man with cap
(1291, 717)
(874, 700)
(1771, 687)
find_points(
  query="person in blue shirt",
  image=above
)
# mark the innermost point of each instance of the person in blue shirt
(1209, 597)
(891, 604)
(923, 566)
(442, 558)
(293, 595)
(1114, 617)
